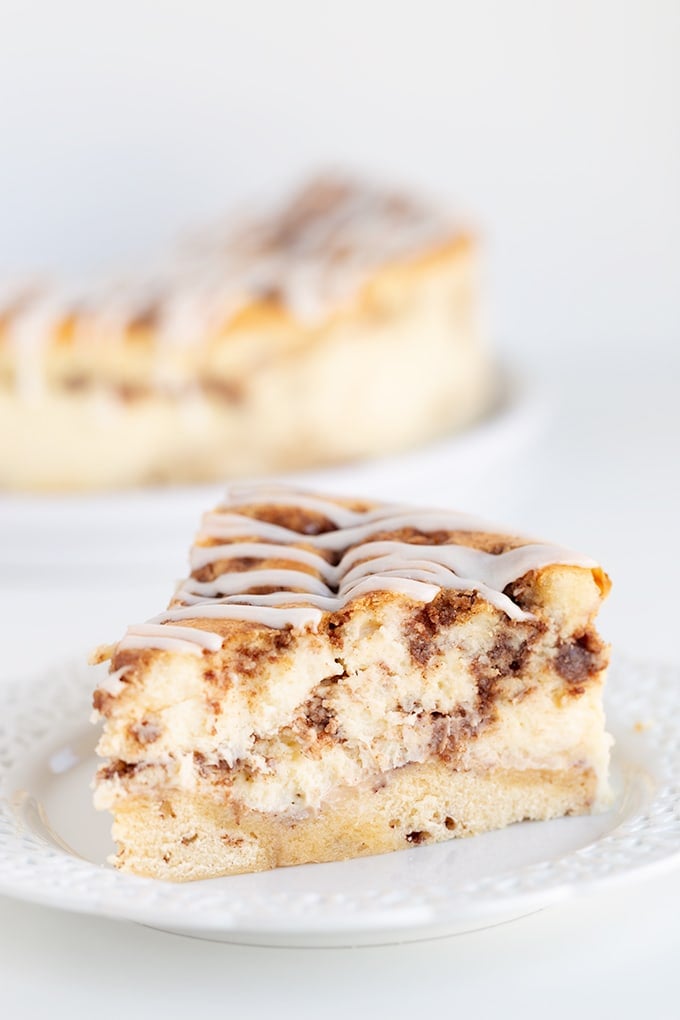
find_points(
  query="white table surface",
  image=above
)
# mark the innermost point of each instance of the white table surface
(602, 475)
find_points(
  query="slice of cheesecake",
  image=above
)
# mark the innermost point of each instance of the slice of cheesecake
(338, 678)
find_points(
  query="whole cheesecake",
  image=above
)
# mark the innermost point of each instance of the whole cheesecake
(341, 325)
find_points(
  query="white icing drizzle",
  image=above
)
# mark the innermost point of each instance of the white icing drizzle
(278, 619)
(171, 639)
(113, 684)
(229, 525)
(340, 516)
(31, 321)
(239, 582)
(201, 556)
(417, 571)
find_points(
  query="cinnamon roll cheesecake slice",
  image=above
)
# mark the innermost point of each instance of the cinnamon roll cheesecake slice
(337, 678)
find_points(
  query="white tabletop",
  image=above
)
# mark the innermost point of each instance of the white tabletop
(601, 475)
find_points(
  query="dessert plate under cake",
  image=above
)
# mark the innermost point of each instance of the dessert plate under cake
(53, 844)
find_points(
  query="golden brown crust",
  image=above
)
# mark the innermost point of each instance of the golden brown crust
(180, 838)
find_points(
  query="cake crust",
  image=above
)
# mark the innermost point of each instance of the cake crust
(186, 838)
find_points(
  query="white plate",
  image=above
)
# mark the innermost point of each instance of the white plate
(53, 845)
(98, 535)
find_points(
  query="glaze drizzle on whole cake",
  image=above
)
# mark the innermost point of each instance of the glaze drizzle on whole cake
(308, 256)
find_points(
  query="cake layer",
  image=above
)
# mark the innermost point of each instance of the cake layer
(285, 717)
(185, 837)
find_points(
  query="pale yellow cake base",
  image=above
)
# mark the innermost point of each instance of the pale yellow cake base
(185, 837)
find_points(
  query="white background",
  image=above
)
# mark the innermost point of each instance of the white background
(554, 126)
